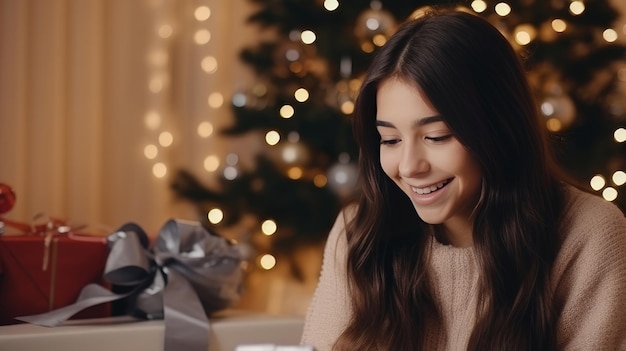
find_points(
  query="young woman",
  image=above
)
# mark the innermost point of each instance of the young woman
(465, 235)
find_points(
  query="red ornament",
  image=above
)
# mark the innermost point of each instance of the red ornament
(7, 198)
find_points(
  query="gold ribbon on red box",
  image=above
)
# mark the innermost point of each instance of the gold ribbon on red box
(39, 273)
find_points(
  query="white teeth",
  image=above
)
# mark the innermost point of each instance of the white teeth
(429, 189)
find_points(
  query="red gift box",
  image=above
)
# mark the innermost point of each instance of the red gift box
(39, 273)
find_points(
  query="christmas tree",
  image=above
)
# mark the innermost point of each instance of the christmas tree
(309, 71)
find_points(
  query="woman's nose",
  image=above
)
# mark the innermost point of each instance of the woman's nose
(413, 162)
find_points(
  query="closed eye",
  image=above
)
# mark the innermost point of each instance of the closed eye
(389, 141)
(439, 138)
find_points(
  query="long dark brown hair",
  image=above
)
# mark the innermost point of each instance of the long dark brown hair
(476, 81)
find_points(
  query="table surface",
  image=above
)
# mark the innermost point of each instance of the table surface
(228, 330)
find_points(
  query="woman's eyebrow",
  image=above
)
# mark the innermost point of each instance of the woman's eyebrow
(427, 120)
(420, 122)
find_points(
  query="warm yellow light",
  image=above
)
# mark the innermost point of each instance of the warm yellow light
(308, 37)
(347, 107)
(159, 170)
(150, 151)
(620, 135)
(286, 111)
(272, 137)
(610, 35)
(294, 173)
(479, 6)
(559, 25)
(576, 7)
(209, 64)
(215, 215)
(165, 31)
(205, 129)
(609, 194)
(367, 47)
(166, 139)
(301, 95)
(216, 100)
(202, 36)
(597, 182)
(331, 5)
(268, 227)
(619, 178)
(211, 163)
(379, 40)
(320, 180)
(554, 124)
(202, 13)
(522, 38)
(267, 261)
(152, 120)
(503, 9)
(524, 34)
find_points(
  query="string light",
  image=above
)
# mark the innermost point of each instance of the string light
(216, 100)
(205, 129)
(215, 215)
(576, 7)
(503, 9)
(151, 151)
(294, 173)
(597, 182)
(202, 13)
(211, 163)
(479, 6)
(610, 35)
(272, 137)
(559, 25)
(159, 170)
(166, 139)
(609, 194)
(620, 135)
(268, 227)
(331, 5)
(267, 261)
(301, 95)
(308, 37)
(286, 111)
(320, 180)
(524, 34)
(347, 107)
(619, 178)
(209, 64)
(202, 36)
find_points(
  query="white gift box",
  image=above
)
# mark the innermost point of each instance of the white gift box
(229, 329)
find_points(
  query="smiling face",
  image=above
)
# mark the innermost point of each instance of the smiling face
(420, 154)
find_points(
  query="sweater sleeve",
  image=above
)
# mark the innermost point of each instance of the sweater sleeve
(590, 276)
(329, 310)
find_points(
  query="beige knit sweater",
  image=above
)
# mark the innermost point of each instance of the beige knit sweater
(589, 277)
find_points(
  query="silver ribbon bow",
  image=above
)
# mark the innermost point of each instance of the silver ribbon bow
(187, 275)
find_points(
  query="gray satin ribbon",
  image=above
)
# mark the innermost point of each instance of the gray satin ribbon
(187, 275)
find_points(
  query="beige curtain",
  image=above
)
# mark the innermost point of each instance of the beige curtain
(90, 89)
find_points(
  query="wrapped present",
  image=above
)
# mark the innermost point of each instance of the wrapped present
(40, 273)
(183, 277)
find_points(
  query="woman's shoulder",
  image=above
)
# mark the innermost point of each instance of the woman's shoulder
(587, 212)
(591, 228)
